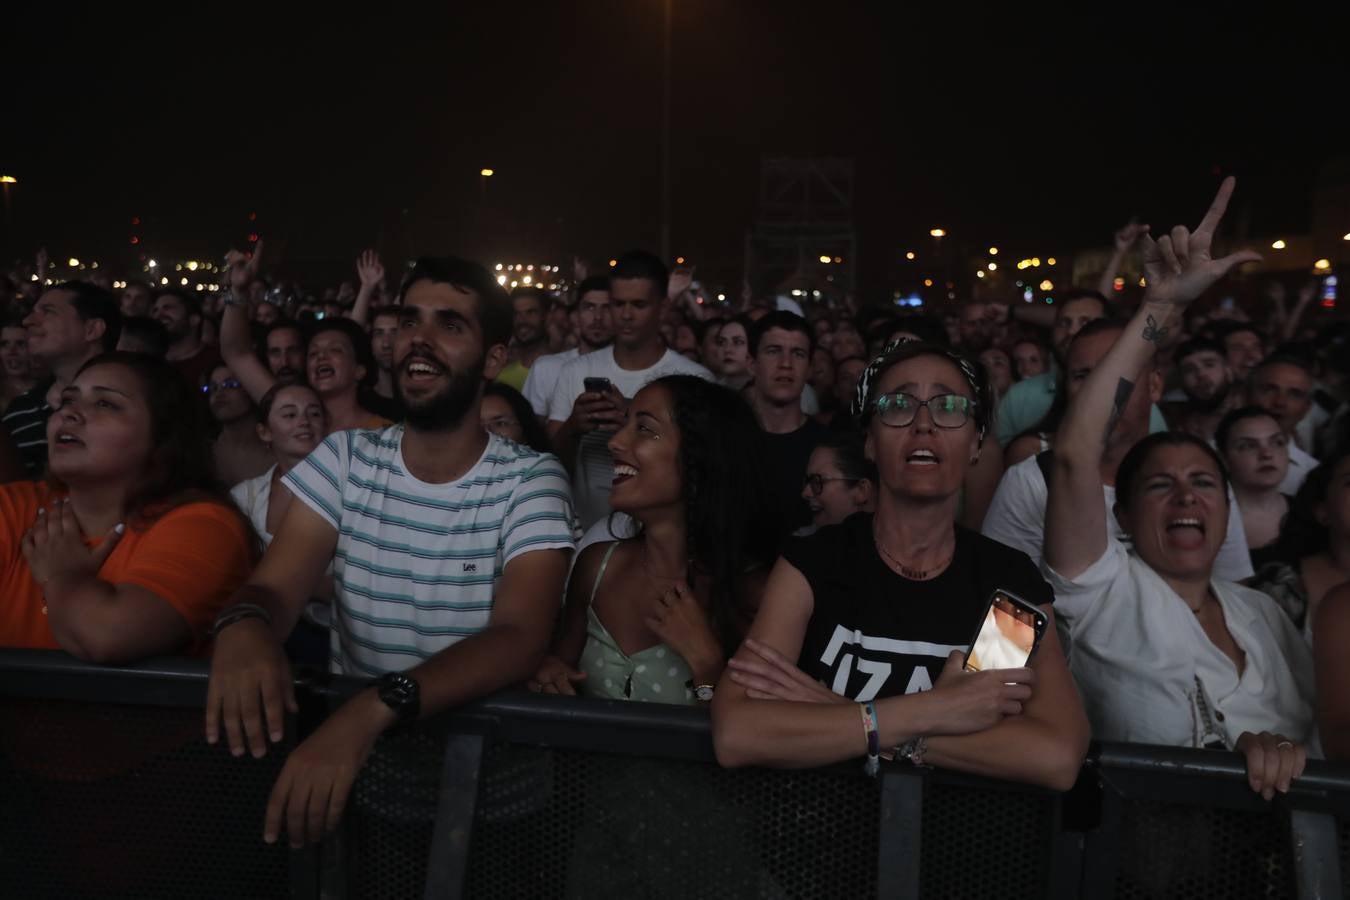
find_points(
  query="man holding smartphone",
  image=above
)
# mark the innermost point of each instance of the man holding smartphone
(595, 329)
(583, 416)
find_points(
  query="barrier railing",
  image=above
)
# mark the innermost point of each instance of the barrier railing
(108, 789)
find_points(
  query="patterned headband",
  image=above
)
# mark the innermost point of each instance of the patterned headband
(862, 398)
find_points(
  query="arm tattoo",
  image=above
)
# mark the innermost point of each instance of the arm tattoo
(1124, 388)
(1152, 333)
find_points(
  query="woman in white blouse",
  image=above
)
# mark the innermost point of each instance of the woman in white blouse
(1163, 652)
(291, 422)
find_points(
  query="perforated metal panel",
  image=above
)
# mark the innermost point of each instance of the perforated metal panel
(115, 801)
(979, 842)
(391, 816)
(554, 823)
(1343, 832)
(1187, 853)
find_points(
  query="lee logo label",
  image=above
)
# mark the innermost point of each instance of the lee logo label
(470, 568)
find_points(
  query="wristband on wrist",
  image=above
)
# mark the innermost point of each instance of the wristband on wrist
(869, 719)
(238, 613)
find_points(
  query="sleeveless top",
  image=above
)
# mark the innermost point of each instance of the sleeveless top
(656, 674)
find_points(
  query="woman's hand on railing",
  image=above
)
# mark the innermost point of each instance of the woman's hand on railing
(555, 677)
(1273, 761)
(767, 674)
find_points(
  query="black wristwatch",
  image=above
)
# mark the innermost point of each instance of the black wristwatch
(401, 694)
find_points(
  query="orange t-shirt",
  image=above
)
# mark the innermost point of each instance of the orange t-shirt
(193, 557)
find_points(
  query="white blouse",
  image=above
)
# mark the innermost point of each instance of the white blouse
(251, 497)
(1138, 653)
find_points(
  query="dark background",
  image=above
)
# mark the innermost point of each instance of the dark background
(1035, 132)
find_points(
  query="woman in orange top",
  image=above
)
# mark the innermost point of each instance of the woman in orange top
(127, 551)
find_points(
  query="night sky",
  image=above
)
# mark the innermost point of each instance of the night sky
(1039, 135)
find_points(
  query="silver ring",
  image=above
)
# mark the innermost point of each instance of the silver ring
(1282, 744)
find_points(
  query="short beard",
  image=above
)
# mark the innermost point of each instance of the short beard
(1213, 404)
(445, 410)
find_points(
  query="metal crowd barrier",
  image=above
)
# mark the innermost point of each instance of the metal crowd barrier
(107, 789)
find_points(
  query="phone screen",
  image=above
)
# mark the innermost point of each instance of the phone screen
(596, 385)
(1007, 636)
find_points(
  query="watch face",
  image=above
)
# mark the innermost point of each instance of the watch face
(704, 693)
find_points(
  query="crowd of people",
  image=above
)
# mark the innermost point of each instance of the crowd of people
(795, 516)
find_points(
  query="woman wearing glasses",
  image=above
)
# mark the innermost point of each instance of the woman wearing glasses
(860, 638)
(840, 480)
(238, 452)
(505, 412)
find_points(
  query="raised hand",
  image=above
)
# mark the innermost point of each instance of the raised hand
(369, 269)
(1127, 235)
(243, 267)
(580, 270)
(680, 280)
(1179, 267)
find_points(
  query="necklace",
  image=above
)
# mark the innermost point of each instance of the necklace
(906, 571)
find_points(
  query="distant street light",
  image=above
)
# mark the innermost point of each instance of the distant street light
(486, 173)
(910, 254)
(938, 232)
(825, 259)
(8, 179)
(993, 251)
(1278, 245)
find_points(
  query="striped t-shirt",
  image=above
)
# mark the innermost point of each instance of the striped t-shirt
(26, 422)
(416, 564)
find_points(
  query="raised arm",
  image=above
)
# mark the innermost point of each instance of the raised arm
(371, 272)
(1125, 238)
(1178, 268)
(1305, 298)
(236, 338)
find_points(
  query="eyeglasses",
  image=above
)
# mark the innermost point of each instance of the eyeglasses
(816, 483)
(229, 384)
(947, 410)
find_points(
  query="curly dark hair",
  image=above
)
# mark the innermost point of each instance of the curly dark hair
(724, 534)
(180, 468)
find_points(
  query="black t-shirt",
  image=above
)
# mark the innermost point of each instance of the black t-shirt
(874, 633)
(782, 467)
(380, 405)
